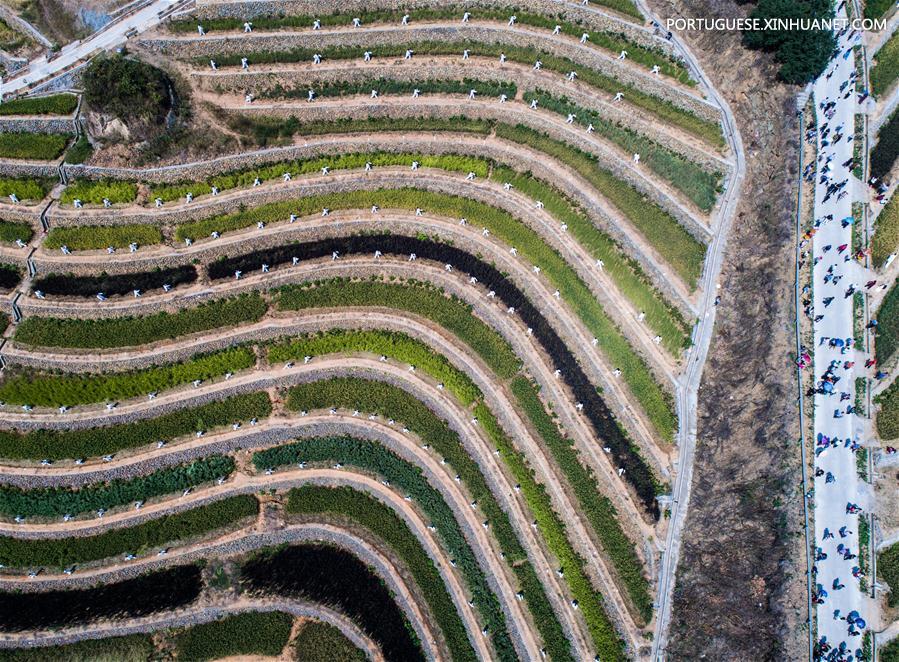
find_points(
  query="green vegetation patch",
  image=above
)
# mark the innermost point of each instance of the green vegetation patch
(131, 648)
(44, 389)
(56, 104)
(888, 570)
(63, 552)
(9, 276)
(885, 239)
(95, 442)
(888, 416)
(127, 88)
(26, 190)
(887, 340)
(34, 146)
(419, 298)
(10, 231)
(60, 501)
(886, 66)
(93, 237)
(321, 642)
(93, 192)
(80, 151)
(252, 633)
(884, 153)
(104, 333)
(390, 401)
(598, 510)
(655, 401)
(388, 86)
(387, 525)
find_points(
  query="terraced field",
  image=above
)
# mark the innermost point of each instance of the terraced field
(415, 362)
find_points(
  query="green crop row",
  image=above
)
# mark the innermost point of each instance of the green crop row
(390, 401)
(237, 178)
(80, 151)
(887, 341)
(92, 192)
(888, 416)
(888, 569)
(700, 186)
(886, 66)
(416, 297)
(63, 552)
(26, 190)
(320, 642)
(252, 633)
(627, 274)
(34, 146)
(388, 86)
(9, 276)
(598, 510)
(663, 109)
(60, 501)
(397, 346)
(130, 648)
(95, 442)
(656, 402)
(10, 231)
(387, 525)
(93, 237)
(885, 239)
(614, 42)
(679, 248)
(44, 389)
(56, 104)
(602, 631)
(131, 331)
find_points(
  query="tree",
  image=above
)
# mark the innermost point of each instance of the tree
(803, 54)
(128, 89)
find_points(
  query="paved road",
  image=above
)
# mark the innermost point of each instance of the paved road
(838, 462)
(110, 36)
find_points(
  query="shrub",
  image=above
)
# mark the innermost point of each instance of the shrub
(802, 54)
(9, 276)
(145, 594)
(890, 652)
(92, 237)
(133, 331)
(89, 286)
(10, 231)
(888, 327)
(56, 104)
(127, 88)
(598, 510)
(93, 192)
(335, 577)
(34, 146)
(662, 108)
(416, 297)
(888, 570)
(252, 633)
(387, 525)
(321, 642)
(170, 529)
(95, 442)
(43, 389)
(888, 416)
(391, 401)
(27, 190)
(507, 228)
(886, 66)
(237, 178)
(80, 151)
(400, 405)
(886, 233)
(59, 501)
(883, 156)
(397, 346)
(130, 648)
(699, 186)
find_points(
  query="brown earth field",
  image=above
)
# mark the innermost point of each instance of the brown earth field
(740, 591)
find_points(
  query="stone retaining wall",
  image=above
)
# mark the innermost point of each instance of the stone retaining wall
(212, 45)
(21, 124)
